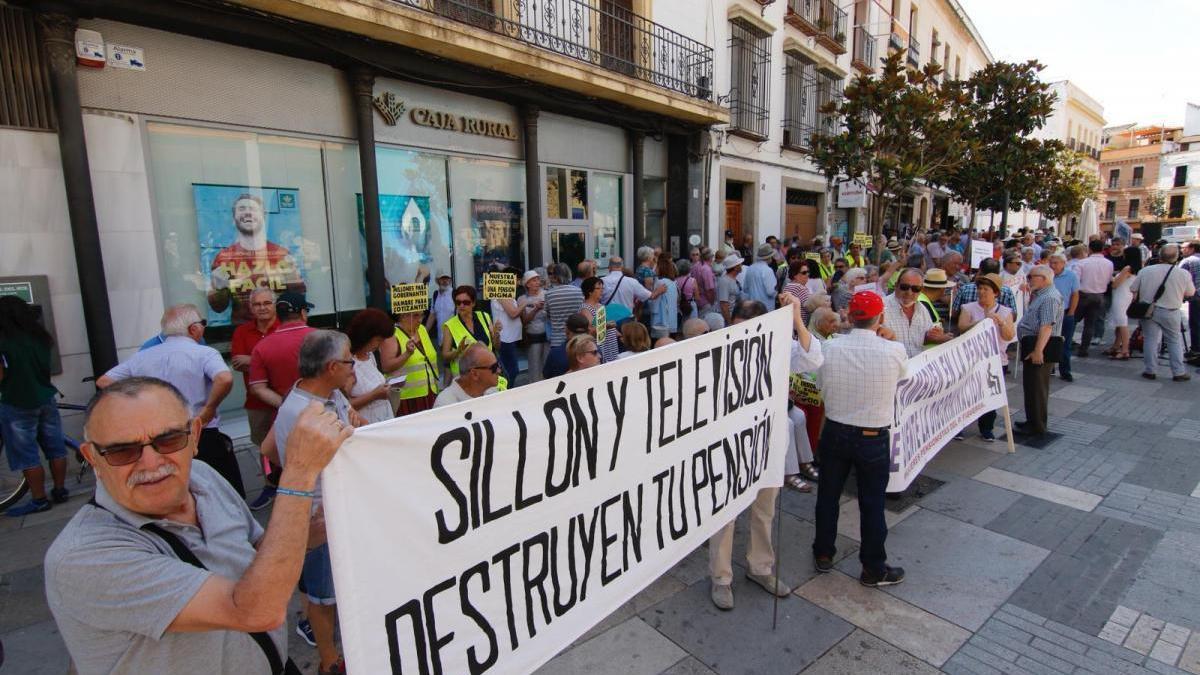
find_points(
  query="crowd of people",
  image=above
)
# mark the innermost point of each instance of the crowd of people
(858, 316)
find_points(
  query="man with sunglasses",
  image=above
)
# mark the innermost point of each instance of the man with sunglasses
(199, 373)
(912, 325)
(478, 375)
(167, 570)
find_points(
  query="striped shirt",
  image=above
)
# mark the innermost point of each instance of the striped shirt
(562, 300)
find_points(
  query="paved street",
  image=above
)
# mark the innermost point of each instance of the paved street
(1080, 556)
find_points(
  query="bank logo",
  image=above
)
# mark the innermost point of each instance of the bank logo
(390, 107)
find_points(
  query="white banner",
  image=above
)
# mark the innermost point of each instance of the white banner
(851, 194)
(943, 390)
(490, 534)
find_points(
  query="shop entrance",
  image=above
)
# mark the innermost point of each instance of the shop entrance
(569, 245)
(733, 210)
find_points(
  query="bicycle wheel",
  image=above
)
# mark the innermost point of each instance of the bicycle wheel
(12, 483)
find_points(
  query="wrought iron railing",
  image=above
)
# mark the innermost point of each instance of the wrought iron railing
(914, 52)
(808, 91)
(864, 48)
(599, 32)
(808, 11)
(833, 22)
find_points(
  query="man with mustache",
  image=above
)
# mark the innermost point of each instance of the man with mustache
(166, 570)
(250, 262)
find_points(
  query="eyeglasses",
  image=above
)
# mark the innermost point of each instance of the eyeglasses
(349, 362)
(166, 443)
(909, 287)
(495, 367)
(464, 303)
(202, 322)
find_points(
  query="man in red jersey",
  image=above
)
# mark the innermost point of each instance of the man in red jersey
(250, 262)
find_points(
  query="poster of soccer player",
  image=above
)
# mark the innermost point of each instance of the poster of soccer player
(249, 237)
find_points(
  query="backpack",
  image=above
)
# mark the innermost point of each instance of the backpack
(686, 305)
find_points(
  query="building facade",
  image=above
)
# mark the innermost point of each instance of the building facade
(378, 142)
(1132, 180)
(776, 63)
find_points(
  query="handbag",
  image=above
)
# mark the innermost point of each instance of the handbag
(1051, 354)
(1139, 309)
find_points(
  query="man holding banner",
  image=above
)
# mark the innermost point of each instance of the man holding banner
(760, 556)
(858, 380)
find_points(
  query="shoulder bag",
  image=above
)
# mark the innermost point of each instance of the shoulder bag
(1139, 309)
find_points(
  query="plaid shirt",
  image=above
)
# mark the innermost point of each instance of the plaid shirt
(969, 292)
(1045, 307)
(1192, 265)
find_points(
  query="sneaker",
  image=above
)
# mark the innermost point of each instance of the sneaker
(722, 596)
(338, 668)
(264, 498)
(891, 576)
(960, 436)
(1181, 378)
(1150, 376)
(304, 630)
(59, 495)
(822, 564)
(770, 584)
(32, 506)
(1066, 377)
(987, 436)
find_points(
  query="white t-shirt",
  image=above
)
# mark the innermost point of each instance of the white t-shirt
(366, 378)
(510, 328)
(623, 292)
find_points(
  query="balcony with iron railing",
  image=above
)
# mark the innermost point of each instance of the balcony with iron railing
(864, 51)
(601, 34)
(914, 52)
(805, 15)
(833, 27)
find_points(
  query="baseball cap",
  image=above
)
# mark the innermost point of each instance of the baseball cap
(294, 302)
(443, 275)
(865, 305)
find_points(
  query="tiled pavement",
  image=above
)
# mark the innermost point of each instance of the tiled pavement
(1083, 556)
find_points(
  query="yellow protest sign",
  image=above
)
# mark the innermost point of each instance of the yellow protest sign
(409, 298)
(804, 391)
(812, 255)
(499, 285)
(601, 324)
(863, 239)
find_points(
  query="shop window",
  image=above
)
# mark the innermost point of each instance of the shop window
(488, 203)
(653, 232)
(608, 216)
(413, 215)
(566, 194)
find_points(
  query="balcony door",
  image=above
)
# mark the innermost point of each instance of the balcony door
(617, 35)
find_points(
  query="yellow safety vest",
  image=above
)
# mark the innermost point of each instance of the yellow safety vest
(826, 271)
(853, 262)
(937, 318)
(459, 332)
(421, 369)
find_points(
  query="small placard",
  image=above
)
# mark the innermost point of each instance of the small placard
(21, 289)
(862, 239)
(980, 251)
(805, 391)
(601, 324)
(409, 298)
(123, 56)
(812, 255)
(499, 285)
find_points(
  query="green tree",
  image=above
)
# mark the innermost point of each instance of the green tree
(890, 132)
(1156, 204)
(1006, 103)
(1062, 185)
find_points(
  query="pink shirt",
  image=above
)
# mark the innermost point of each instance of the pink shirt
(1095, 273)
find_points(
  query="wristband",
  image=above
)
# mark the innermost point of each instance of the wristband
(295, 493)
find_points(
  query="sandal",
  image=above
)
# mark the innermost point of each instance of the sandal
(809, 472)
(1124, 356)
(797, 483)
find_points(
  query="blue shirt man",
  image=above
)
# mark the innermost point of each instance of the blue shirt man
(758, 283)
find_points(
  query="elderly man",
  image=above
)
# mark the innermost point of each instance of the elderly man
(1165, 286)
(586, 269)
(759, 281)
(166, 570)
(479, 371)
(858, 383)
(1095, 274)
(1067, 284)
(259, 415)
(760, 556)
(911, 325)
(199, 373)
(694, 327)
(1038, 324)
(325, 367)
(563, 299)
(624, 291)
(729, 287)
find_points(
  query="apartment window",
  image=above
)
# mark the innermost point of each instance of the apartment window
(895, 8)
(1181, 176)
(1134, 204)
(829, 88)
(934, 43)
(1137, 177)
(958, 68)
(1175, 209)
(1114, 178)
(800, 102)
(749, 93)
(1110, 210)
(946, 58)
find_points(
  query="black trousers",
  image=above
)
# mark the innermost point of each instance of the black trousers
(1089, 312)
(842, 448)
(1035, 380)
(216, 450)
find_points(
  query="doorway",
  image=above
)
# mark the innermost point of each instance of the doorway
(569, 245)
(733, 210)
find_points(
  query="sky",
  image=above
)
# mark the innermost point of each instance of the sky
(1138, 58)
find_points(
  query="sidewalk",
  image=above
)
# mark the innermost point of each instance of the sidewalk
(1081, 556)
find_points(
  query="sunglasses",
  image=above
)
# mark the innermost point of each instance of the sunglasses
(166, 443)
(464, 303)
(909, 287)
(495, 367)
(590, 352)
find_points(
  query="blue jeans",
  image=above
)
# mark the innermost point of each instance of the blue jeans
(1164, 324)
(508, 361)
(25, 429)
(316, 577)
(1068, 332)
(843, 447)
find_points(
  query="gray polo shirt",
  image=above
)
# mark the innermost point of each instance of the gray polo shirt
(289, 411)
(114, 588)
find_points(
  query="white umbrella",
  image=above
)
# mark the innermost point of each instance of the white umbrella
(1089, 222)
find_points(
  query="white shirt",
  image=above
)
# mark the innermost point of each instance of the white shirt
(1095, 273)
(510, 328)
(816, 286)
(623, 292)
(1179, 285)
(806, 361)
(910, 334)
(456, 394)
(858, 378)
(366, 378)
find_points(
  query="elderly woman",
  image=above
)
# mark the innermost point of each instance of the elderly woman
(988, 307)
(635, 338)
(368, 393)
(467, 327)
(533, 314)
(824, 323)
(826, 265)
(593, 288)
(582, 352)
(664, 310)
(844, 289)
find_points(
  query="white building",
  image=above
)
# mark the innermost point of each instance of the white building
(1179, 173)
(776, 63)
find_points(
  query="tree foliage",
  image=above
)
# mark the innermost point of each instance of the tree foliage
(1061, 185)
(892, 131)
(1156, 204)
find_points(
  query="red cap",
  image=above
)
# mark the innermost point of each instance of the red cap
(865, 305)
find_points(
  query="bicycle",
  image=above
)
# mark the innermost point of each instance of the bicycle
(13, 485)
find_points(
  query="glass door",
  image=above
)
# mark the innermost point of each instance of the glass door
(569, 245)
